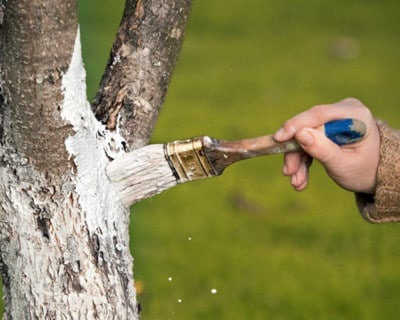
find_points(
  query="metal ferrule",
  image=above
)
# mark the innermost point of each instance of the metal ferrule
(188, 160)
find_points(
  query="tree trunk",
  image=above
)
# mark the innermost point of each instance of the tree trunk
(64, 240)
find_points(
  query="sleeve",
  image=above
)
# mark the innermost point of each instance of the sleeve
(384, 206)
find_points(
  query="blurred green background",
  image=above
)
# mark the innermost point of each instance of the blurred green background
(270, 252)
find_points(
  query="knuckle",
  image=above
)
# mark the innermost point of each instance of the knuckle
(362, 110)
(290, 125)
(352, 101)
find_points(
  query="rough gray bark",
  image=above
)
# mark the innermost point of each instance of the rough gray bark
(64, 242)
(139, 69)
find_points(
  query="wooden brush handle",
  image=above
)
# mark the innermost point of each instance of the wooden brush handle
(223, 153)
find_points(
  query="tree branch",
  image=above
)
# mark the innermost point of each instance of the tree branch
(139, 69)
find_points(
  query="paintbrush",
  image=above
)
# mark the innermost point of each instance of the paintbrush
(155, 168)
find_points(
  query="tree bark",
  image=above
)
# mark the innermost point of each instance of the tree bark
(64, 240)
(141, 62)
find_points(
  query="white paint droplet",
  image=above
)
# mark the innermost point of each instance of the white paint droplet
(214, 291)
(169, 279)
(179, 300)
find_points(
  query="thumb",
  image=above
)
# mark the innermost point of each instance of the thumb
(317, 145)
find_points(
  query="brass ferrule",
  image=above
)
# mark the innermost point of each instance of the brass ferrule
(188, 159)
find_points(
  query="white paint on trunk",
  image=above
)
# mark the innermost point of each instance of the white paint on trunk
(107, 220)
(89, 147)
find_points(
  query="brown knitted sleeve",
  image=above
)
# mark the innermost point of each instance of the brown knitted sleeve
(384, 206)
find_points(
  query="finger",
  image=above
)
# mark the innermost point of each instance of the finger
(321, 114)
(299, 180)
(299, 183)
(292, 162)
(318, 146)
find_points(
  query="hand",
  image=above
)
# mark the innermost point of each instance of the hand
(353, 167)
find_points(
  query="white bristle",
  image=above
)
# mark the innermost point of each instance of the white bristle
(141, 174)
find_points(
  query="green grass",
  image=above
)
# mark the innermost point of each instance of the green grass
(272, 253)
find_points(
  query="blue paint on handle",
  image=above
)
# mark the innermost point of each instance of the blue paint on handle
(345, 131)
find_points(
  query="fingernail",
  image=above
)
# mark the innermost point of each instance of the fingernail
(285, 170)
(305, 138)
(279, 134)
(293, 181)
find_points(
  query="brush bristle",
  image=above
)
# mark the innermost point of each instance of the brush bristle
(141, 174)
